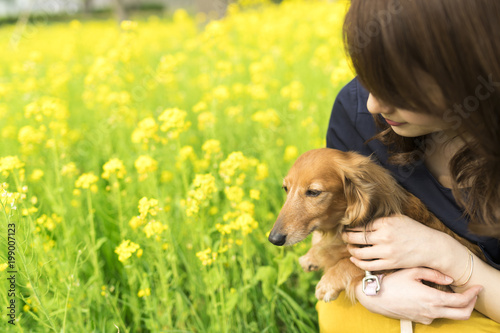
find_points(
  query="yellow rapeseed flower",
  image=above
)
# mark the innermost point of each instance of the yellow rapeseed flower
(29, 211)
(224, 68)
(174, 122)
(75, 24)
(293, 91)
(257, 92)
(49, 244)
(235, 161)
(295, 105)
(49, 222)
(207, 257)
(144, 292)
(147, 206)
(246, 207)
(246, 223)
(268, 118)
(103, 291)
(154, 228)
(145, 164)
(200, 106)
(69, 169)
(9, 200)
(204, 188)
(86, 180)
(214, 210)
(234, 193)
(114, 166)
(36, 175)
(221, 93)
(291, 153)
(46, 108)
(146, 130)
(255, 194)
(262, 171)
(30, 137)
(211, 147)
(125, 250)
(166, 176)
(169, 63)
(234, 111)
(128, 25)
(9, 132)
(341, 73)
(186, 153)
(10, 163)
(135, 222)
(206, 120)
(237, 221)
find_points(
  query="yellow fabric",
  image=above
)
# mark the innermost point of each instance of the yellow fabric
(340, 316)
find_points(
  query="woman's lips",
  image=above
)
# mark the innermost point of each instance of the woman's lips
(394, 123)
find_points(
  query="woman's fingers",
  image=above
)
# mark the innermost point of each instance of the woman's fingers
(457, 306)
(360, 235)
(431, 275)
(360, 253)
(458, 313)
(427, 315)
(372, 265)
(356, 237)
(459, 300)
(371, 258)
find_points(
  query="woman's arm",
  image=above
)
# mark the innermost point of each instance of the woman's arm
(401, 242)
(488, 302)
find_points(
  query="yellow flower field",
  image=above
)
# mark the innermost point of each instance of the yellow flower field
(141, 168)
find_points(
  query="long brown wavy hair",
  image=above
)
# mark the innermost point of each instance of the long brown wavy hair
(398, 46)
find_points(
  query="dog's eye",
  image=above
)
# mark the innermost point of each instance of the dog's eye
(285, 188)
(313, 193)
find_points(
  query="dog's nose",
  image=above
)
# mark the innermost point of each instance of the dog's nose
(277, 239)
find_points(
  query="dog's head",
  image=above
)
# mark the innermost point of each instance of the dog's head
(326, 189)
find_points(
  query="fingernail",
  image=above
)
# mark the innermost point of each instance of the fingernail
(448, 279)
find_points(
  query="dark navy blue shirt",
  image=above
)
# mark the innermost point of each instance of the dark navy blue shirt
(351, 125)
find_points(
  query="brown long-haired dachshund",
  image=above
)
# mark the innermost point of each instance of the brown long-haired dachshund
(328, 189)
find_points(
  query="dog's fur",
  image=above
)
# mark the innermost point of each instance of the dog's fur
(327, 190)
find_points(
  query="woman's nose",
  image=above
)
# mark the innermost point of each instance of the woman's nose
(375, 106)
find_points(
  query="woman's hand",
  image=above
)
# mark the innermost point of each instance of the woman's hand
(399, 242)
(404, 296)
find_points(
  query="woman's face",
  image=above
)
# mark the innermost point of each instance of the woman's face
(407, 123)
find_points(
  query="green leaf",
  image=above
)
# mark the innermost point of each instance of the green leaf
(99, 242)
(267, 275)
(286, 267)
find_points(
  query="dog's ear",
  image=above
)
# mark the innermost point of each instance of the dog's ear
(359, 200)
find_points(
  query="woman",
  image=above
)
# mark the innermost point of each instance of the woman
(426, 104)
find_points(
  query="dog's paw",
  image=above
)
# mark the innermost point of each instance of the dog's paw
(307, 264)
(326, 291)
